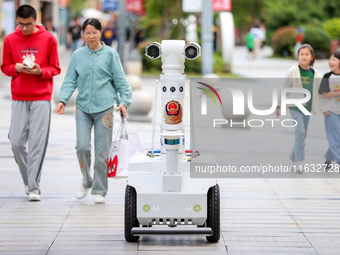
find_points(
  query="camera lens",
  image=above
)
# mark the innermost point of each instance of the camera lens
(191, 52)
(153, 51)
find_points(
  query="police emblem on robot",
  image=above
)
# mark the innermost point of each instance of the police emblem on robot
(173, 113)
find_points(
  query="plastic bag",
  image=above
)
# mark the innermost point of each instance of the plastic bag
(122, 150)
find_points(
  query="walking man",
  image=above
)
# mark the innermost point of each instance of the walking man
(30, 57)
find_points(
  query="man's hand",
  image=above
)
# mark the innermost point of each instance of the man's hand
(36, 70)
(18, 67)
(123, 109)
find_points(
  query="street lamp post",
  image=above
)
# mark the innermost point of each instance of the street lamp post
(207, 37)
(121, 30)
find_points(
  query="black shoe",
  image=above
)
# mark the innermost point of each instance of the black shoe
(328, 165)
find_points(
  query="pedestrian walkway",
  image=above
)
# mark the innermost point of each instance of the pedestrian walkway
(258, 216)
(265, 66)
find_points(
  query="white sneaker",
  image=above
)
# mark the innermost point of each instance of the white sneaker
(26, 189)
(299, 166)
(82, 193)
(34, 197)
(99, 199)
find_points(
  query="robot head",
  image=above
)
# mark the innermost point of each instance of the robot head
(154, 50)
(173, 54)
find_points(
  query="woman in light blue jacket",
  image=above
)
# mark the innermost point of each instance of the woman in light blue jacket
(96, 71)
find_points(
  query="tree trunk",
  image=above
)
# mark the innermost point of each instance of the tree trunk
(181, 28)
(163, 31)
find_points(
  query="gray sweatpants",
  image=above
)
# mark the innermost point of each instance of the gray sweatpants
(30, 125)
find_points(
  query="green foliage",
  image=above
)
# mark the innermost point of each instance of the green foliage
(195, 66)
(245, 12)
(2, 34)
(319, 40)
(332, 27)
(219, 65)
(296, 12)
(163, 20)
(279, 13)
(284, 40)
(76, 7)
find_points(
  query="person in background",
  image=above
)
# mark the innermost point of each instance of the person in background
(74, 38)
(139, 36)
(330, 90)
(109, 35)
(303, 75)
(50, 28)
(30, 57)
(249, 38)
(298, 40)
(262, 26)
(96, 71)
(258, 37)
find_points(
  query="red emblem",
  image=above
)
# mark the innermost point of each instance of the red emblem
(173, 113)
(172, 108)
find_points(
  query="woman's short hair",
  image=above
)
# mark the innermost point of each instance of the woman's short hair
(93, 22)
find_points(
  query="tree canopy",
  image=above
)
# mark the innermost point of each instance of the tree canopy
(280, 13)
(164, 19)
(76, 6)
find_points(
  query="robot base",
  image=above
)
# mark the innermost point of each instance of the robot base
(191, 207)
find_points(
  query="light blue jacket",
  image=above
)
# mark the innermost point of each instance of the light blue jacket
(98, 75)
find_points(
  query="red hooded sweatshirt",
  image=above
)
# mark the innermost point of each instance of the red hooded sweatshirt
(43, 45)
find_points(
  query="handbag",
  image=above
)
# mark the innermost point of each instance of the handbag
(122, 150)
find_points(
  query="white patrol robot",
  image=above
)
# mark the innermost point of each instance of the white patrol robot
(161, 198)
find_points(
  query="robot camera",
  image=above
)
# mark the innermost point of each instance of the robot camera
(153, 50)
(192, 50)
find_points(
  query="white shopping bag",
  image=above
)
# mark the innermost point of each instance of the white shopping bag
(122, 151)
